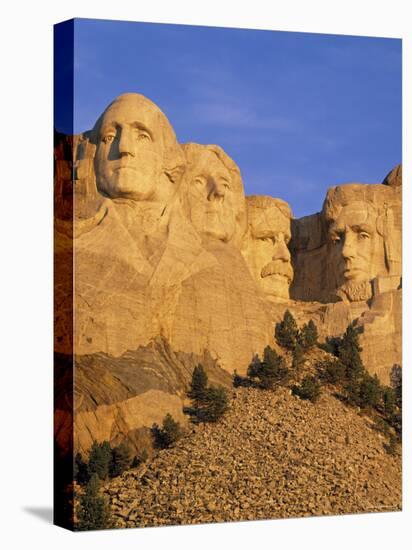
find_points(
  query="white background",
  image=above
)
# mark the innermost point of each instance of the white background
(26, 272)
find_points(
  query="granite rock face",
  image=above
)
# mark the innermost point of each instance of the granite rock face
(308, 249)
(118, 398)
(394, 178)
(155, 241)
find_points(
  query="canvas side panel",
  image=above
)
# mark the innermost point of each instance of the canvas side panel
(63, 274)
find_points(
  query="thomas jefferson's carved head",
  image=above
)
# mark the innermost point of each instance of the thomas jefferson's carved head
(213, 196)
(266, 247)
(137, 155)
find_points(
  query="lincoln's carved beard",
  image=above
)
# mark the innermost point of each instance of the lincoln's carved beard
(355, 291)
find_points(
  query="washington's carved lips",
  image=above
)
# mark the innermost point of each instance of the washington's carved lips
(126, 167)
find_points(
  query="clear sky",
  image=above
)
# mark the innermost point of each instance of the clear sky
(297, 112)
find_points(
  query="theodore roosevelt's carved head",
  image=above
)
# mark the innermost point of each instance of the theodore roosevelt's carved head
(266, 246)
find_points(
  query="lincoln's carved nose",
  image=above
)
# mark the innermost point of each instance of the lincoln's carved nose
(348, 248)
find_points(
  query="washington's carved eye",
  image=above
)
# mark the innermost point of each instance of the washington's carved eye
(108, 139)
(143, 136)
(363, 235)
(199, 181)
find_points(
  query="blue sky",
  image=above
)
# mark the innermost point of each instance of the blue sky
(297, 112)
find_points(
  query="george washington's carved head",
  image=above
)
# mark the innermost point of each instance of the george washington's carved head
(137, 154)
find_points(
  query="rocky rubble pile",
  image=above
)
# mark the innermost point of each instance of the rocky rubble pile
(272, 456)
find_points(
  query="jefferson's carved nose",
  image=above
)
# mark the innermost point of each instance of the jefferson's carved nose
(216, 190)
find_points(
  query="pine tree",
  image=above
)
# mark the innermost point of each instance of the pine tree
(331, 345)
(349, 355)
(92, 511)
(142, 456)
(157, 435)
(298, 357)
(216, 403)
(167, 435)
(389, 400)
(209, 403)
(171, 429)
(286, 332)
(270, 371)
(135, 462)
(309, 389)
(121, 459)
(332, 371)
(81, 471)
(239, 381)
(352, 389)
(273, 369)
(198, 385)
(395, 418)
(370, 392)
(396, 383)
(100, 457)
(254, 367)
(392, 446)
(308, 336)
(362, 389)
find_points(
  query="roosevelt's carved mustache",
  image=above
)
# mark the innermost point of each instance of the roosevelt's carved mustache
(278, 267)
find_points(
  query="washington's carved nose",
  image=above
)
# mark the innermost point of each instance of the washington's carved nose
(126, 144)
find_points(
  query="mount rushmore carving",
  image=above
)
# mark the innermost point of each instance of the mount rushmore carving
(167, 243)
(155, 238)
